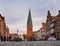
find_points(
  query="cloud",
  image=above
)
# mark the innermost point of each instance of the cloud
(54, 1)
(16, 12)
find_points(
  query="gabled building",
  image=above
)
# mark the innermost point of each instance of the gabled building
(37, 35)
(4, 30)
(57, 26)
(53, 25)
(13, 35)
(43, 31)
(48, 21)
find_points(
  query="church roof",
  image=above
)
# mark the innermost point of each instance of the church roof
(29, 17)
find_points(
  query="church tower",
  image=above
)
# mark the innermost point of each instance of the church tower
(29, 26)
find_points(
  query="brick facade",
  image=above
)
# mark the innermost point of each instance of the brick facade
(53, 25)
(29, 27)
(4, 31)
(48, 24)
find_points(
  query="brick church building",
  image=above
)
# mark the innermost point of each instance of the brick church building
(29, 27)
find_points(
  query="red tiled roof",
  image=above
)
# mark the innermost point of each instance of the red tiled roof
(53, 17)
(13, 35)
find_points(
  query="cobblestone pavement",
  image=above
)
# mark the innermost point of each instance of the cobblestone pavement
(31, 43)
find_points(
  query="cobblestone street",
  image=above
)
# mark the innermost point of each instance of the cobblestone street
(31, 43)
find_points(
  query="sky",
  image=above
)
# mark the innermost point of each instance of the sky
(16, 13)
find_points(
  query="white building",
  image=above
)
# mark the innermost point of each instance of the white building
(37, 35)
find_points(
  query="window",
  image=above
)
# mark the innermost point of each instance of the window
(58, 27)
(42, 29)
(52, 30)
(43, 33)
(48, 32)
(51, 25)
(57, 32)
(53, 20)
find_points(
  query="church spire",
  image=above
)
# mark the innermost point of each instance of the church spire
(29, 26)
(29, 17)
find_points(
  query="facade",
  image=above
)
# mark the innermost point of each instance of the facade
(57, 26)
(29, 27)
(2, 25)
(22, 37)
(4, 31)
(37, 35)
(50, 30)
(43, 31)
(13, 35)
(53, 25)
(48, 21)
(7, 31)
